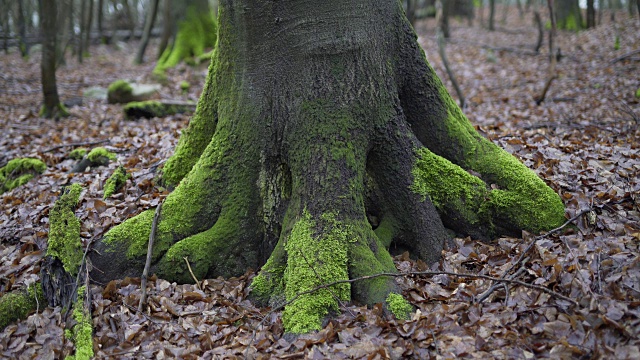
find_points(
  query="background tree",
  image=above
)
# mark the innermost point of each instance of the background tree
(195, 31)
(321, 140)
(492, 14)
(148, 26)
(48, 26)
(568, 15)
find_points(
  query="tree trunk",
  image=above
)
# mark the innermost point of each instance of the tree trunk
(148, 26)
(443, 20)
(568, 15)
(100, 21)
(168, 28)
(6, 29)
(87, 30)
(22, 30)
(492, 14)
(591, 14)
(322, 141)
(82, 23)
(196, 30)
(48, 27)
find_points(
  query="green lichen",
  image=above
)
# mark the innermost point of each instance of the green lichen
(16, 305)
(100, 156)
(18, 172)
(116, 181)
(78, 154)
(64, 230)
(119, 91)
(314, 260)
(399, 306)
(82, 332)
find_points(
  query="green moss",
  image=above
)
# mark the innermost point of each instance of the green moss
(18, 304)
(78, 153)
(522, 200)
(18, 172)
(399, 306)
(616, 45)
(152, 108)
(119, 91)
(57, 111)
(64, 230)
(82, 332)
(100, 156)
(638, 93)
(184, 86)
(116, 181)
(314, 260)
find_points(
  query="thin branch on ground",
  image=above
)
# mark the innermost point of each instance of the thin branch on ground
(76, 144)
(627, 55)
(186, 259)
(147, 264)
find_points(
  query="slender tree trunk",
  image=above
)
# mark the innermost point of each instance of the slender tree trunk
(568, 15)
(492, 13)
(591, 14)
(168, 28)
(552, 53)
(87, 32)
(538, 21)
(52, 106)
(22, 30)
(442, 21)
(443, 52)
(100, 15)
(150, 21)
(520, 9)
(6, 29)
(81, 35)
(638, 6)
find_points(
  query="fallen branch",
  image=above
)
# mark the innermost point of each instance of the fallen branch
(186, 259)
(76, 144)
(147, 264)
(627, 55)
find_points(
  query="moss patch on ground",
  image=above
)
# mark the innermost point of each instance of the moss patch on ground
(18, 172)
(119, 91)
(116, 181)
(399, 306)
(100, 156)
(64, 230)
(16, 305)
(82, 332)
(78, 154)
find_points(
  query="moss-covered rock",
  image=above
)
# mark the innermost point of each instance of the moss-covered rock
(16, 305)
(100, 156)
(151, 108)
(78, 154)
(64, 230)
(18, 172)
(82, 332)
(120, 91)
(116, 181)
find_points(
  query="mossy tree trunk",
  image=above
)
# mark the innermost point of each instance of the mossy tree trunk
(322, 139)
(195, 31)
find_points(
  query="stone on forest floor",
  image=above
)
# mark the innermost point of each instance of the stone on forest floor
(19, 171)
(121, 91)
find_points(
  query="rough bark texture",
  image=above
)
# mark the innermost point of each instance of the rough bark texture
(322, 141)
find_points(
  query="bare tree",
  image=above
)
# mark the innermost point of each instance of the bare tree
(49, 28)
(148, 26)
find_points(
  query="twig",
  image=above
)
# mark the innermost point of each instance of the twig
(494, 287)
(76, 144)
(186, 259)
(147, 264)
(622, 57)
(443, 56)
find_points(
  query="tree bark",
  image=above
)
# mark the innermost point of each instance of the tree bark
(22, 30)
(52, 106)
(148, 26)
(591, 14)
(322, 142)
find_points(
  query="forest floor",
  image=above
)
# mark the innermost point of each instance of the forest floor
(583, 140)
